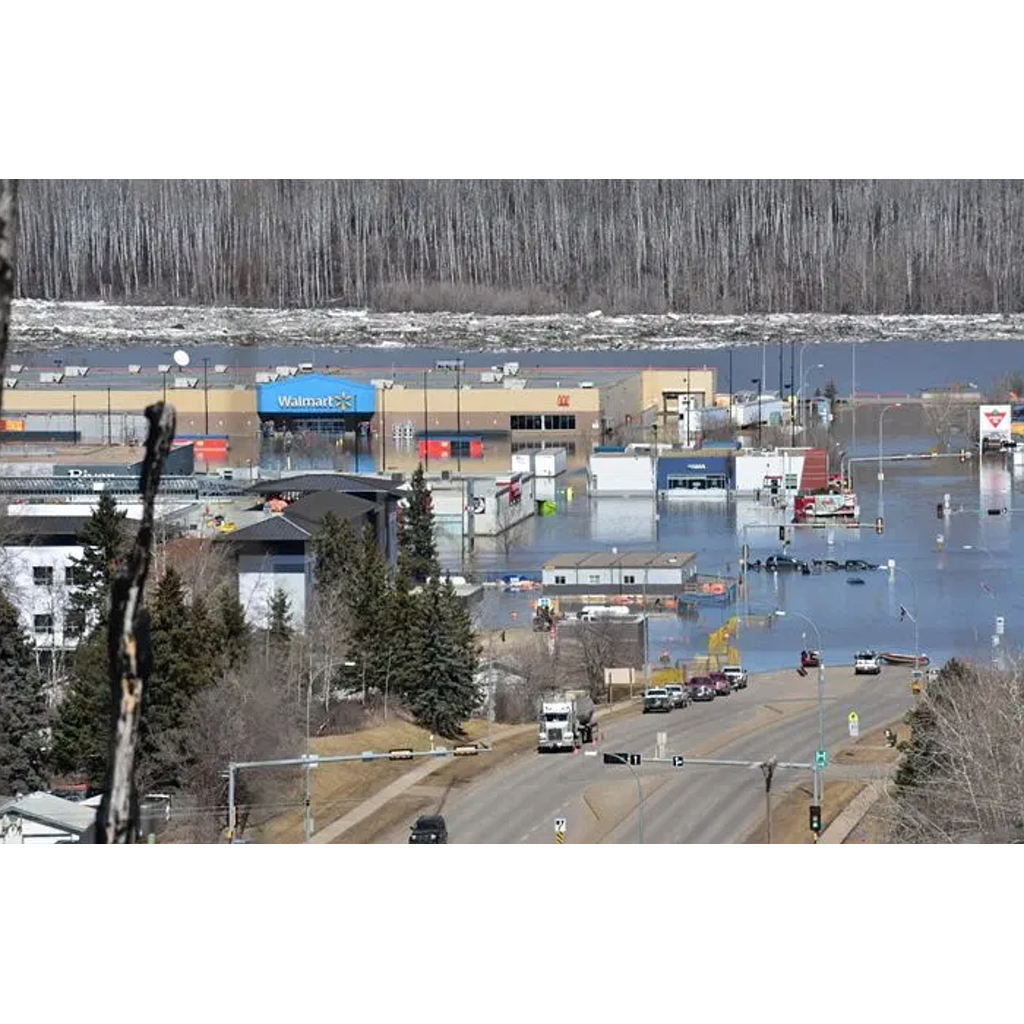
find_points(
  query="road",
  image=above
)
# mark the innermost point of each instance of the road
(775, 716)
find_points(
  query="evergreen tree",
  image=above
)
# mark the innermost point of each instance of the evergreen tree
(279, 618)
(188, 657)
(235, 632)
(81, 732)
(443, 694)
(23, 716)
(417, 545)
(368, 601)
(402, 610)
(104, 540)
(335, 547)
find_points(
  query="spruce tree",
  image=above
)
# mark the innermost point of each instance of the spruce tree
(442, 695)
(367, 595)
(23, 716)
(81, 731)
(417, 545)
(335, 547)
(279, 618)
(235, 633)
(105, 541)
(188, 657)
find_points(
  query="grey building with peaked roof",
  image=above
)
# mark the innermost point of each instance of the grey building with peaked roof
(278, 552)
(44, 818)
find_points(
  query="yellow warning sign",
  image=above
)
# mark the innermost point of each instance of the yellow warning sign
(852, 716)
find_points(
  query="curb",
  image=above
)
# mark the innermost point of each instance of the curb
(853, 814)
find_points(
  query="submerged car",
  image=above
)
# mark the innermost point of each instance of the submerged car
(430, 828)
(785, 563)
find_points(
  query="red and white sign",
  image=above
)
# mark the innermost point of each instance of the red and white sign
(995, 424)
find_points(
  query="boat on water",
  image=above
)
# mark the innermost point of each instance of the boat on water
(905, 659)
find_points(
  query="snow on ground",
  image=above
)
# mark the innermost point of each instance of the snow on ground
(41, 326)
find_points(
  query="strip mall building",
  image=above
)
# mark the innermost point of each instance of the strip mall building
(446, 415)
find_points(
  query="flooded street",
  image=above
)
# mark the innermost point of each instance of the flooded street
(962, 584)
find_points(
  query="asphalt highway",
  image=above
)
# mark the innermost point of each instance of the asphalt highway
(775, 716)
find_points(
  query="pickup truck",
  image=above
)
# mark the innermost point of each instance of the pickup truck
(657, 699)
(678, 693)
(867, 663)
(737, 675)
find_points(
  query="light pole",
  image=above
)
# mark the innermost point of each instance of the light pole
(757, 381)
(206, 395)
(894, 568)
(803, 380)
(881, 474)
(426, 426)
(818, 782)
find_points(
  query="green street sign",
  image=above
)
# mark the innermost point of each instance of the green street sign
(821, 759)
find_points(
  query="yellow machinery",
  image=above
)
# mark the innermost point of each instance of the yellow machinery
(721, 650)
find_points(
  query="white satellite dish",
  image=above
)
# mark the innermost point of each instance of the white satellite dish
(181, 357)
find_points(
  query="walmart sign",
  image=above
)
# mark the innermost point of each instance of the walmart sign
(316, 395)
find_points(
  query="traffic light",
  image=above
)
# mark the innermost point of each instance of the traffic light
(963, 455)
(939, 510)
(782, 534)
(616, 759)
(816, 819)
(879, 525)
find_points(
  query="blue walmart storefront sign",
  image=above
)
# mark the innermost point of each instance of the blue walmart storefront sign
(316, 395)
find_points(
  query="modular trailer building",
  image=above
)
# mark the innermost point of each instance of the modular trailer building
(631, 572)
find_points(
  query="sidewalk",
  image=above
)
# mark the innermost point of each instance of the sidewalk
(852, 815)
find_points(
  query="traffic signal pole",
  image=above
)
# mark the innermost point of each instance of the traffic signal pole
(310, 761)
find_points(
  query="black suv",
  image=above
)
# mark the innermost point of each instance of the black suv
(431, 828)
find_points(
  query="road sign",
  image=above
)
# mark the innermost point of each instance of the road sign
(560, 824)
(1000, 625)
(677, 761)
(466, 751)
(821, 759)
(854, 726)
(635, 759)
(312, 760)
(559, 837)
(400, 755)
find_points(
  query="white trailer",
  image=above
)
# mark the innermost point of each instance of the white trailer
(551, 462)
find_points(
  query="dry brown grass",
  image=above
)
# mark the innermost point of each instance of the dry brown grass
(871, 748)
(789, 814)
(339, 787)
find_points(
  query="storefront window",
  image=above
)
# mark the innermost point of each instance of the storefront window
(714, 482)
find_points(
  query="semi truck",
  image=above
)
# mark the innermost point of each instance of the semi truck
(566, 722)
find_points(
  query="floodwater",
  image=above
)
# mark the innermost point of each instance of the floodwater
(955, 588)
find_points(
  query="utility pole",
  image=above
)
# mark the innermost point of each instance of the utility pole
(206, 396)
(757, 381)
(768, 768)
(730, 387)
(781, 365)
(110, 425)
(426, 426)
(792, 393)
(458, 418)
(74, 417)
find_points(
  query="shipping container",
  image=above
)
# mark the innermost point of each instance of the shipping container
(551, 462)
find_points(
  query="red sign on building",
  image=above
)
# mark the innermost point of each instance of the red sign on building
(563, 399)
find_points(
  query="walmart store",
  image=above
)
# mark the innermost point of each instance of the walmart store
(317, 404)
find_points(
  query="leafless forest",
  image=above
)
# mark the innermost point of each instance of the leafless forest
(522, 246)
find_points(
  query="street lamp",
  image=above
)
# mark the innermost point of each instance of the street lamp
(757, 381)
(894, 568)
(881, 474)
(818, 782)
(206, 394)
(803, 380)
(426, 426)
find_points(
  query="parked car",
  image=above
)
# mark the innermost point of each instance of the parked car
(430, 828)
(678, 693)
(701, 689)
(785, 563)
(657, 699)
(737, 675)
(828, 563)
(722, 683)
(867, 663)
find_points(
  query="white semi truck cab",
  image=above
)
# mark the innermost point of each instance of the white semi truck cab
(566, 723)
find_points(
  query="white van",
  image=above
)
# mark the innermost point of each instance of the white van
(592, 612)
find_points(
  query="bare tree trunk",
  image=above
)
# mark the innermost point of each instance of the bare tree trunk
(128, 644)
(8, 241)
